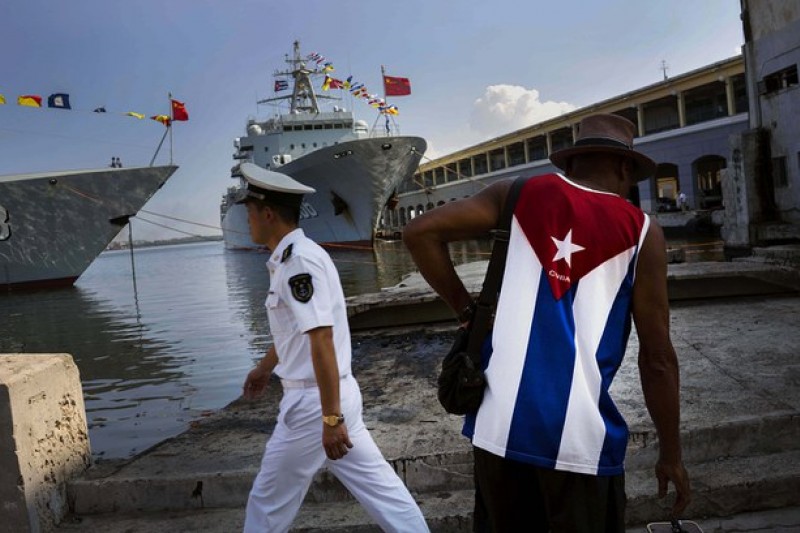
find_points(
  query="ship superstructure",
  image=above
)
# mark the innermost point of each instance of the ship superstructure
(354, 168)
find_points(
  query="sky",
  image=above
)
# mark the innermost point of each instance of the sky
(478, 69)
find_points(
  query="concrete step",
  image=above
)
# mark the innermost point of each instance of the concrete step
(721, 488)
(786, 255)
(423, 474)
(451, 471)
(446, 512)
(412, 301)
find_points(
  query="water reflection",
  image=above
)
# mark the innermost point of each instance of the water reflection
(157, 354)
(118, 356)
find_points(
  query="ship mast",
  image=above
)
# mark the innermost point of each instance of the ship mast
(303, 98)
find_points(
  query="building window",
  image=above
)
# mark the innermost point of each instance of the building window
(776, 81)
(708, 170)
(740, 94)
(465, 167)
(480, 164)
(667, 185)
(498, 159)
(706, 102)
(661, 115)
(537, 148)
(450, 173)
(779, 171)
(516, 154)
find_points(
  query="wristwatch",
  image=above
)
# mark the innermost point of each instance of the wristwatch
(333, 420)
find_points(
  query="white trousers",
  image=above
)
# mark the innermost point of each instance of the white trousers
(294, 453)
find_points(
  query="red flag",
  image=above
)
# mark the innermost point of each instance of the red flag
(179, 111)
(394, 86)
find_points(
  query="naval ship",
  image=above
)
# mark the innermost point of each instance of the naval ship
(355, 169)
(54, 224)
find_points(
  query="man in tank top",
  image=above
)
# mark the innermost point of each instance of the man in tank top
(549, 443)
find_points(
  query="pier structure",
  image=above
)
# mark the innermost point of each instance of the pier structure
(44, 440)
(740, 422)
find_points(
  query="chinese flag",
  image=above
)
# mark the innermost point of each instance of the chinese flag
(394, 86)
(179, 111)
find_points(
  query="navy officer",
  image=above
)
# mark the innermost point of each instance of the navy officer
(320, 422)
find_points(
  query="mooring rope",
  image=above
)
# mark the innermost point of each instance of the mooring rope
(100, 201)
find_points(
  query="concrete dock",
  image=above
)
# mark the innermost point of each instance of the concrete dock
(736, 328)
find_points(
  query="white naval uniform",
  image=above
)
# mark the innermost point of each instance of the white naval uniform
(294, 452)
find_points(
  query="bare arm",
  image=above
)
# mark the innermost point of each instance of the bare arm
(323, 356)
(658, 364)
(257, 379)
(427, 235)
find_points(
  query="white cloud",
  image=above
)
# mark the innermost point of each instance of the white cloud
(505, 108)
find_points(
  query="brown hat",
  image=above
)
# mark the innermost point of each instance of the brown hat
(606, 133)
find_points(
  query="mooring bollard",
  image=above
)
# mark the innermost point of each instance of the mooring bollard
(44, 439)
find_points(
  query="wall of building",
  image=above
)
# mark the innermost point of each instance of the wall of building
(772, 56)
(683, 148)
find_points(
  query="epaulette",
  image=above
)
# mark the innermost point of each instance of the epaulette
(287, 253)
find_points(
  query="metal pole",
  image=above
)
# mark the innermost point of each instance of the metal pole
(171, 120)
(133, 267)
(159, 146)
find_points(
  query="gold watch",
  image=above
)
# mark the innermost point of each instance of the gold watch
(333, 420)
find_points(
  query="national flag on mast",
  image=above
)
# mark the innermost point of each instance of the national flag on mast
(395, 86)
(179, 110)
(281, 85)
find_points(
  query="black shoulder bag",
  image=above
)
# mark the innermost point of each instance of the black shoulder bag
(461, 380)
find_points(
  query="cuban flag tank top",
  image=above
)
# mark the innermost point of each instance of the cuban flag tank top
(561, 330)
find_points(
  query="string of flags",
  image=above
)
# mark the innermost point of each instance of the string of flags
(61, 101)
(393, 86)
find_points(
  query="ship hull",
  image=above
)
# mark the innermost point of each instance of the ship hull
(353, 180)
(53, 225)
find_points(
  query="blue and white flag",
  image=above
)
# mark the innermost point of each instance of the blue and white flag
(59, 101)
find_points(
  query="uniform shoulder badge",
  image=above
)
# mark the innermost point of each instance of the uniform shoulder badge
(302, 288)
(287, 253)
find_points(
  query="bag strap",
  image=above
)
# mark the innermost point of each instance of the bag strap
(494, 272)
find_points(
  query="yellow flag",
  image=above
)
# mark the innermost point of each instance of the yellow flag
(2, 99)
(30, 100)
(137, 115)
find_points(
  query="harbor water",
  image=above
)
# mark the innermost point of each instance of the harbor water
(167, 337)
(166, 346)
